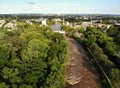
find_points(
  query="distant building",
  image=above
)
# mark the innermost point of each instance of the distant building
(108, 26)
(67, 23)
(101, 25)
(29, 22)
(57, 19)
(63, 21)
(2, 22)
(11, 25)
(44, 22)
(57, 28)
(86, 24)
(85, 18)
(117, 24)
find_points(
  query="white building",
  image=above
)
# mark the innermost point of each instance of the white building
(44, 22)
(67, 23)
(11, 25)
(86, 24)
(2, 22)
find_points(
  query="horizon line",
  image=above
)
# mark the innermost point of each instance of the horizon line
(59, 13)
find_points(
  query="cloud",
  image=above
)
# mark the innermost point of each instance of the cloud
(55, 7)
(31, 3)
(40, 9)
(50, 7)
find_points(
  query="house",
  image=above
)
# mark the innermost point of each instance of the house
(86, 24)
(67, 23)
(2, 22)
(57, 28)
(29, 22)
(44, 22)
(117, 24)
(11, 25)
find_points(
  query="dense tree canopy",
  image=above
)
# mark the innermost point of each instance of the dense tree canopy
(103, 50)
(32, 57)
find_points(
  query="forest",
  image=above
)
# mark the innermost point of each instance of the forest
(32, 56)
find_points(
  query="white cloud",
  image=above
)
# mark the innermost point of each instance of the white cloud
(34, 7)
(40, 9)
(31, 3)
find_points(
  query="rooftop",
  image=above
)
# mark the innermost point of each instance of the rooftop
(56, 27)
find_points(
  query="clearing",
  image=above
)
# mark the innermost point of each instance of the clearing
(80, 73)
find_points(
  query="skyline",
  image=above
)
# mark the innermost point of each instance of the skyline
(60, 6)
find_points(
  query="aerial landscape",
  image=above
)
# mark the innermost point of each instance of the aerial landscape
(59, 44)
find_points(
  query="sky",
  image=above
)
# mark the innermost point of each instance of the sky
(60, 6)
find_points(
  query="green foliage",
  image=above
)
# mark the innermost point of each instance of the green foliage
(25, 86)
(32, 57)
(3, 85)
(69, 30)
(115, 33)
(104, 49)
(50, 22)
(115, 74)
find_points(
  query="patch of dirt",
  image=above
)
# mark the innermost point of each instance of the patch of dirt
(80, 73)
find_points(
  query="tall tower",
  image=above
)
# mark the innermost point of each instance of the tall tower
(63, 21)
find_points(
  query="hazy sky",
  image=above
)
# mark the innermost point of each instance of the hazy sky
(60, 6)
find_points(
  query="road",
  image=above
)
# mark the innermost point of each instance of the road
(80, 73)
